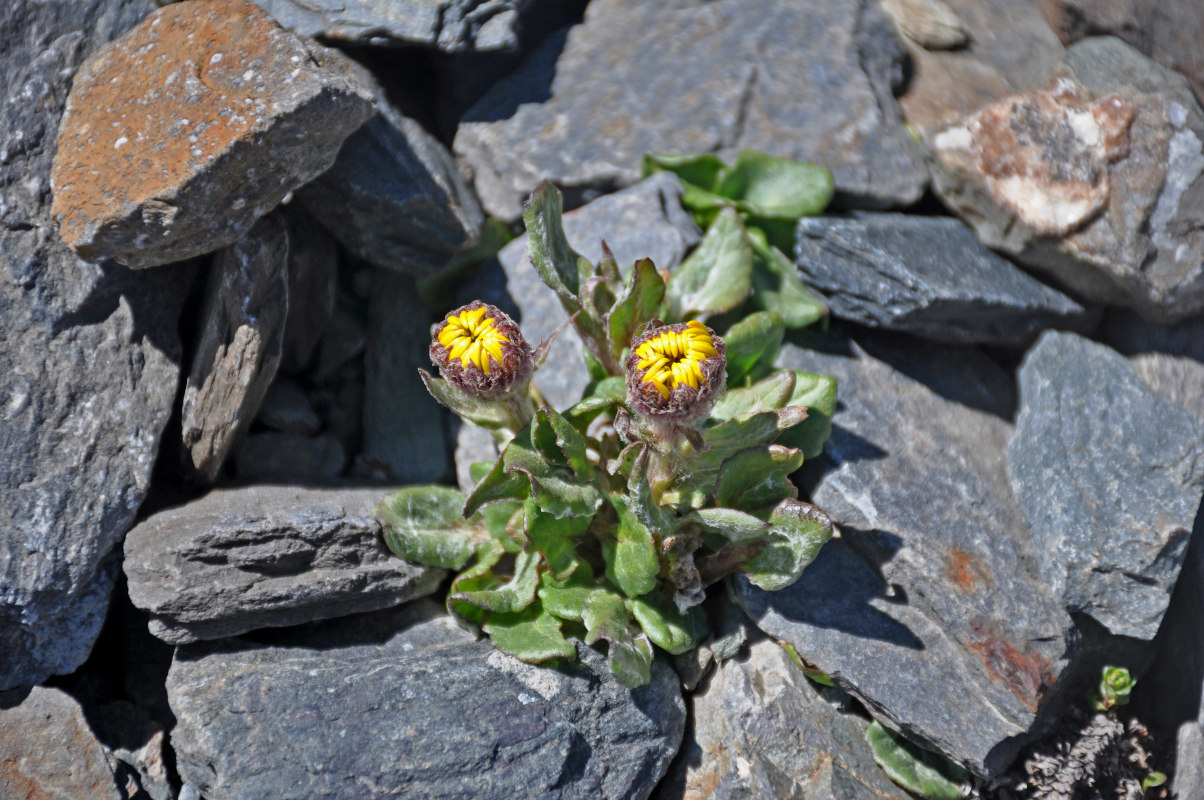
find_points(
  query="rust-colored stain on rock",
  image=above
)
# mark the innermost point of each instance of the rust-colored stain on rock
(1026, 673)
(965, 571)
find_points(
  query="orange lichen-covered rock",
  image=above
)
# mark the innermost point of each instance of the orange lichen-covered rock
(182, 133)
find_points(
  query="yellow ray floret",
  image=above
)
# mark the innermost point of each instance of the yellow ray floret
(472, 338)
(672, 359)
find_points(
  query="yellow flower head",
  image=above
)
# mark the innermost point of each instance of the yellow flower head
(478, 348)
(675, 370)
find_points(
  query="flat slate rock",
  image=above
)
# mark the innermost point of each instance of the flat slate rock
(49, 752)
(761, 729)
(292, 458)
(181, 134)
(265, 556)
(313, 274)
(403, 703)
(1170, 359)
(450, 25)
(927, 276)
(933, 613)
(88, 368)
(241, 341)
(811, 82)
(1109, 476)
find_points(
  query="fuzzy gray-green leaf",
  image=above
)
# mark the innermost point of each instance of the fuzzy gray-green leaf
(717, 276)
(778, 287)
(513, 595)
(668, 628)
(632, 564)
(423, 524)
(752, 344)
(557, 263)
(770, 186)
(767, 394)
(797, 531)
(758, 477)
(816, 393)
(630, 654)
(532, 635)
(922, 773)
(640, 299)
(480, 411)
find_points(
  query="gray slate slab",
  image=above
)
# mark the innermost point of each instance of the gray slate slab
(927, 276)
(265, 556)
(241, 341)
(761, 729)
(811, 82)
(50, 753)
(1170, 359)
(292, 458)
(403, 703)
(933, 613)
(313, 272)
(88, 366)
(1109, 476)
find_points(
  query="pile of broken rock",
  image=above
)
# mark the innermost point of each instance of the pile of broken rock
(217, 223)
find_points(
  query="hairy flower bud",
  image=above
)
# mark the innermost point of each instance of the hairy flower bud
(480, 350)
(675, 372)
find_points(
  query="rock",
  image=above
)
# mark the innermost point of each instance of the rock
(241, 337)
(933, 613)
(50, 752)
(931, 24)
(927, 276)
(643, 221)
(271, 457)
(452, 26)
(135, 745)
(394, 198)
(404, 427)
(1188, 781)
(343, 340)
(1168, 31)
(1095, 181)
(1169, 359)
(265, 556)
(583, 110)
(761, 729)
(473, 444)
(88, 368)
(285, 408)
(405, 703)
(180, 135)
(1109, 476)
(313, 273)
(1009, 49)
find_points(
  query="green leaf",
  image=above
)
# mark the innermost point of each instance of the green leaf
(699, 169)
(816, 393)
(767, 394)
(797, 532)
(732, 525)
(606, 394)
(631, 557)
(717, 276)
(566, 599)
(770, 186)
(752, 344)
(554, 538)
(755, 478)
(423, 524)
(478, 577)
(502, 482)
(778, 287)
(532, 635)
(484, 412)
(514, 595)
(630, 653)
(558, 264)
(555, 434)
(668, 628)
(658, 519)
(918, 771)
(497, 518)
(641, 298)
(563, 497)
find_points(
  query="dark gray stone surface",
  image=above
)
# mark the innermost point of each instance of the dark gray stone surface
(178, 137)
(405, 429)
(48, 752)
(933, 613)
(285, 408)
(690, 76)
(927, 276)
(1170, 359)
(449, 25)
(313, 272)
(241, 340)
(88, 363)
(394, 198)
(404, 703)
(265, 556)
(1109, 476)
(761, 729)
(272, 457)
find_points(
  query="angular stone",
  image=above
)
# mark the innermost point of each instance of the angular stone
(810, 82)
(272, 457)
(1096, 182)
(927, 276)
(452, 26)
(1169, 359)
(933, 614)
(313, 274)
(405, 428)
(394, 198)
(761, 729)
(1009, 48)
(242, 334)
(265, 556)
(180, 135)
(135, 744)
(405, 703)
(88, 365)
(1109, 476)
(285, 408)
(48, 751)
